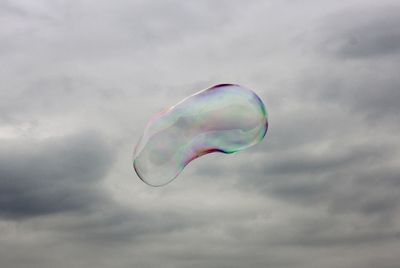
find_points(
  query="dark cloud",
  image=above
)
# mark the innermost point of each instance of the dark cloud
(363, 32)
(315, 179)
(357, 65)
(335, 171)
(371, 93)
(320, 191)
(53, 175)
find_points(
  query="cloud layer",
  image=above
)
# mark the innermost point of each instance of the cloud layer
(80, 80)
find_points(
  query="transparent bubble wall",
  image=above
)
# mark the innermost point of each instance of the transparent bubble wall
(225, 118)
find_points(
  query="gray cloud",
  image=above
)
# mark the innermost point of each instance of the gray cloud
(320, 191)
(53, 175)
(363, 32)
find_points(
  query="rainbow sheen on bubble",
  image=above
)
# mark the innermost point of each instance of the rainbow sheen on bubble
(225, 118)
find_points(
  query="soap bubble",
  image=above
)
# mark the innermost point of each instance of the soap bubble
(225, 118)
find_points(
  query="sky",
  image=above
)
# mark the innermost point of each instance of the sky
(80, 80)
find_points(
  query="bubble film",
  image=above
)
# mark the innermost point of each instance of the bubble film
(225, 118)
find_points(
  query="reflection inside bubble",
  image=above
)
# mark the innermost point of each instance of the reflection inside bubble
(225, 118)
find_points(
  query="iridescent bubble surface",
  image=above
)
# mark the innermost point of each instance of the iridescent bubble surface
(225, 118)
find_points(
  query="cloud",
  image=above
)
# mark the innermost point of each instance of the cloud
(362, 32)
(320, 191)
(53, 175)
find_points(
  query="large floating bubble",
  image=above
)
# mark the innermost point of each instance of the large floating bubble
(225, 118)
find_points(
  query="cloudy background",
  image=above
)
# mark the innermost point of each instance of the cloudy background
(80, 79)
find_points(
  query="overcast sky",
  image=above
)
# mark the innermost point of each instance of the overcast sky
(80, 79)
